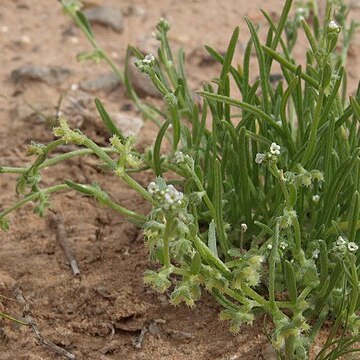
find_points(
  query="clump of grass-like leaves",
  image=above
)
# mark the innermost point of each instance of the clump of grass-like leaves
(263, 209)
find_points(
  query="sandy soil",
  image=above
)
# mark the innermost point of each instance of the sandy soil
(100, 314)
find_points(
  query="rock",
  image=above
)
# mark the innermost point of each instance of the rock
(105, 82)
(141, 82)
(106, 15)
(78, 106)
(202, 58)
(35, 104)
(128, 125)
(51, 75)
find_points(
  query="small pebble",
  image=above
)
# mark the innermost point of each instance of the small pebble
(51, 74)
(74, 40)
(105, 82)
(25, 39)
(106, 15)
(4, 29)
(128, 124)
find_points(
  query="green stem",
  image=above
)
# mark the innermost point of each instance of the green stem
(355, 287)
(138, 218)
(310, 149)
(33, 197)
(20, 322)
(136, 186)
(272, 266)
(99, 152)
(121, 76)
(201, 188)
(166, 240)
(289, 347)
(12, 170)
(55, 160)
(299, 255)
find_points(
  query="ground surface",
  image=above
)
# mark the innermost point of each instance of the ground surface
(100, 314)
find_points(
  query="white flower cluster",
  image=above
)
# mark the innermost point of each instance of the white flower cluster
(169, 198)
(274, 151)
(243, 227)
(342, 245)
(260, 157)
(315, 254)
(282, 245)
(179, 157)
(149, 59)
(301, 13)
(145, 65)
(334, 26)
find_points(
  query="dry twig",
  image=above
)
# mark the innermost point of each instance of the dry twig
(31, 322)
(63, 240)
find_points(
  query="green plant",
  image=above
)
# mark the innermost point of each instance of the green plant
(265, 212)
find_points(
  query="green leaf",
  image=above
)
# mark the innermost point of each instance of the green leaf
(229, 53)
(157, 147)
(212, 238)
(250, 108)
(109, 124)
(288, 65)
(195, 264)
(354, 214)
(356, 107)
(84, 22)
(264, 76)
(324, 263)
(290, 281)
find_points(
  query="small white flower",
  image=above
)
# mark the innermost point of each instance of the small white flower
(244, 227)
(275, 149)
(169, 198)
(352, 246)
(301, 13)
(316, 198)
(283, 245)
(148, 59)
(170, 187)
(260, 157)
(153, 188)
(340, 241)
(172, 196)
(74, 87)
(315, 253)
(269, 246)
(179, 157)
(333, 25)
